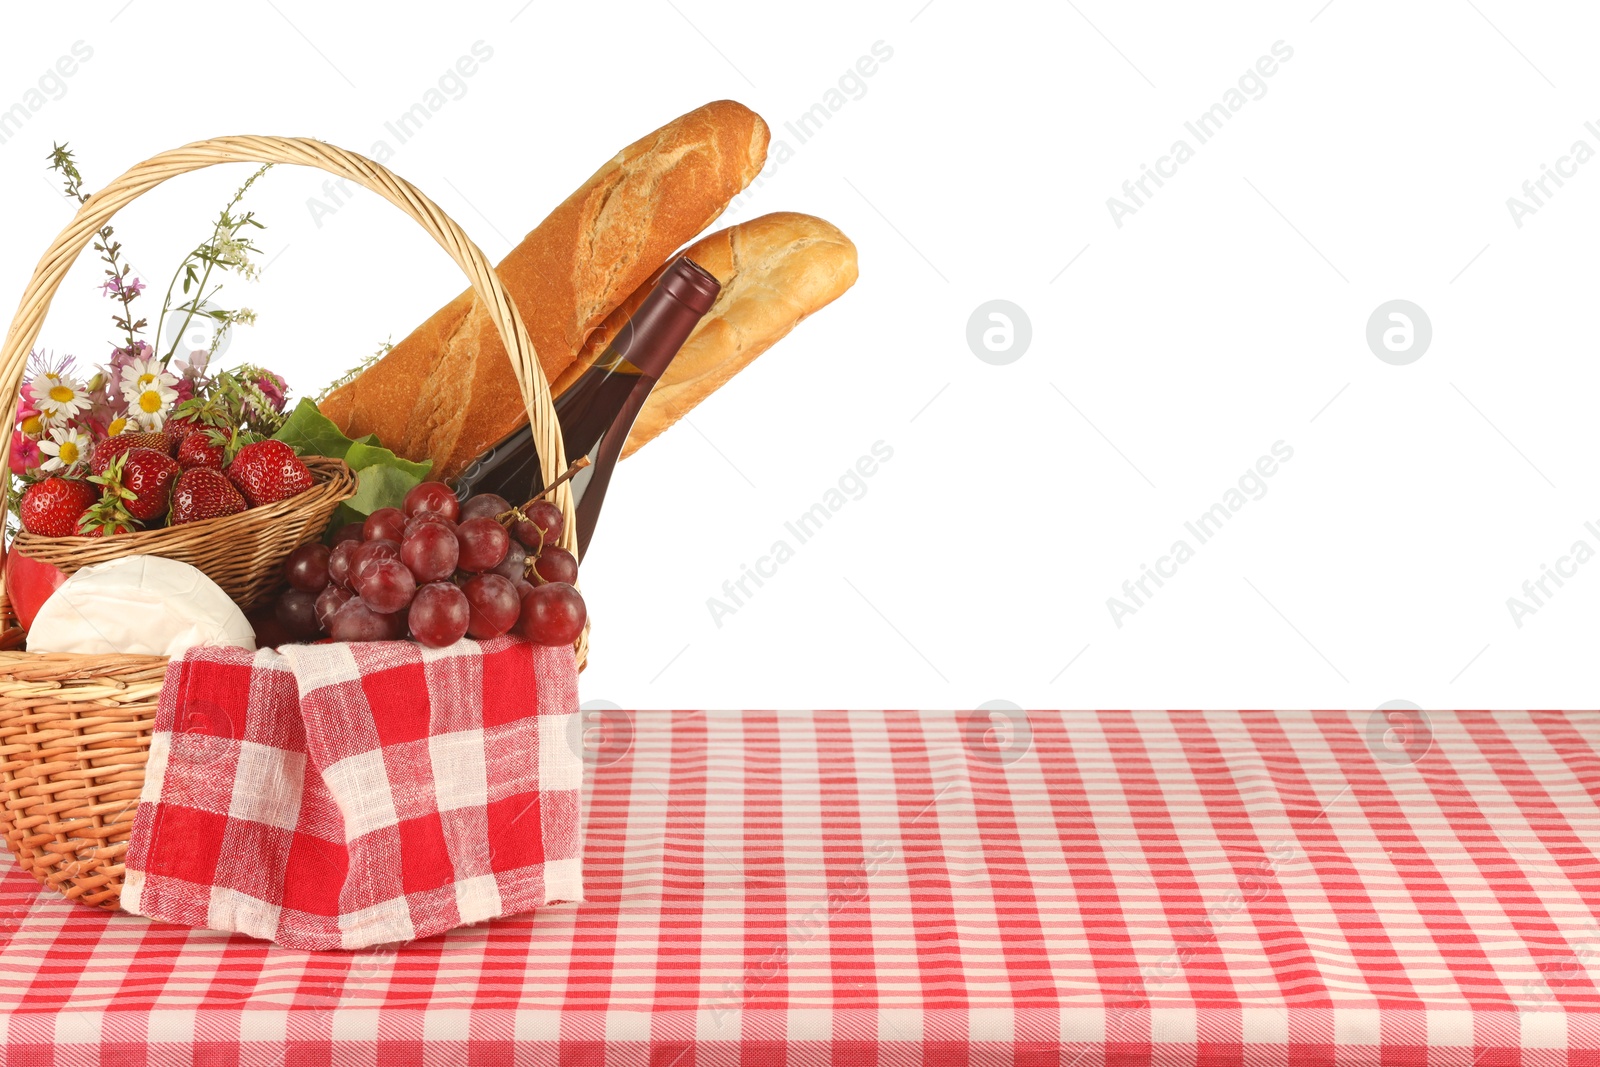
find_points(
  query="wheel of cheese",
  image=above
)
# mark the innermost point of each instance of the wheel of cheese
(138, 605)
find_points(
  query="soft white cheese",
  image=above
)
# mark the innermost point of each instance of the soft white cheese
(139, 605)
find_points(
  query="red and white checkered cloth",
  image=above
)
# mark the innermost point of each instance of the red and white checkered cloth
(347, 795)
(868, 888)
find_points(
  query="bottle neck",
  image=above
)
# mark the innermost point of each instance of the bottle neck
(610, 393)
(647, 342)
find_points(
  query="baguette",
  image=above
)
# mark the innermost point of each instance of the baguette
(775, 271)
(447, 392)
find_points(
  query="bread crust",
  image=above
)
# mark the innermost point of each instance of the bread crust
(775, 271)
(447, 392)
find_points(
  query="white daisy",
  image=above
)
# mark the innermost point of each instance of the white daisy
(141, 374)
(151, 405)
(66, 448)
(58, 396)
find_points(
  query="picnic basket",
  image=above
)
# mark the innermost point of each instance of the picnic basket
(75, 729)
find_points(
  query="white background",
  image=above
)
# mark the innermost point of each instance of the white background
(1227, 314)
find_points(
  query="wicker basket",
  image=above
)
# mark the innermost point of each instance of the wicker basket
(74, 730)
(242, 553)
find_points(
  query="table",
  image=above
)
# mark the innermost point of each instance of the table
(941, 888)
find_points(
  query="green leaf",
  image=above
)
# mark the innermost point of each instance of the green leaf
(343, 515)
(380, 486)
(382, 478)
(310, 432)
(361, 456)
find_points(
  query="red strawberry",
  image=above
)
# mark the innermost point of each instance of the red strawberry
(140, 479)
(52, 508)
(181, 427)
(108, 517)
(267, 472)
(199, 449)
(148, 475)
(112, 447)
(204, 493)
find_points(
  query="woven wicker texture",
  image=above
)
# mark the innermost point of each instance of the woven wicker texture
(75, 730)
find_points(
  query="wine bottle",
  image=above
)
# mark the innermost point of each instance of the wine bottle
(598, 410)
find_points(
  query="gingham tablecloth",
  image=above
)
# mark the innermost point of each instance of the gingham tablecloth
(870, 888)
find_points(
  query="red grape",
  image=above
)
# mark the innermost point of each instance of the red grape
(423, 518)
(484, 544)
(350, 531)
(431, 552)
(385, 524)
(340, 560)
(329, 601)
(307, 567)
(552, 614)
(514, 566)
(358, 622)
(484, 506)
(527, 534)
(433, 496)
(556, 564)
(439, 615)
(495, 605)
(370, 553)
(297, 612)
(385, 584)
(540, 525)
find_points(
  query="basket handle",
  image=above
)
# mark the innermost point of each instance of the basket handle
(299, 151)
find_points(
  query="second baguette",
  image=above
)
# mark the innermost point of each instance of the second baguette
(775, 271)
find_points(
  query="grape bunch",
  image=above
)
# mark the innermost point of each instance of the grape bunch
(437, 570)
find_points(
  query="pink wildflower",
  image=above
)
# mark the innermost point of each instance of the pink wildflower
(25, 453)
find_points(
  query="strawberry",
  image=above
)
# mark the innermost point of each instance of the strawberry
(52, 508)
(204, 493)
(267, 472)
(112, 447)
(200, 412)
(108, 517)
(202, 448)
(180, 427)
(142, 478)
(149, 475)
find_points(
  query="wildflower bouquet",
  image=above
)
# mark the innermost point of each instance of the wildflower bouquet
(154, 435)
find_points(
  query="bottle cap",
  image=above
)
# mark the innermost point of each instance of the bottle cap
(650, 339)
(691, 285)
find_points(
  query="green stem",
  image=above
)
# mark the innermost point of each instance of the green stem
(194, 306)
(166, 302)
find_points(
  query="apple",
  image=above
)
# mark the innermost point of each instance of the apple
(29, 584)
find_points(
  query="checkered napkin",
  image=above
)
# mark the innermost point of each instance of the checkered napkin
(344, 795)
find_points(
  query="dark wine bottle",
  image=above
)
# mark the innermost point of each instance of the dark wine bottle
(598, 410)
